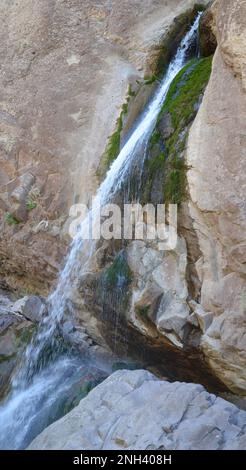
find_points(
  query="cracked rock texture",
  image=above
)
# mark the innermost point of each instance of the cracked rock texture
(115, 413)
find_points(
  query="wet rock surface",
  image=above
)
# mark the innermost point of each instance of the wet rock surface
(148, 312)
(207, 38)
(16, 331)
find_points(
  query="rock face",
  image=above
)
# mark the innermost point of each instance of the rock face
(17, 325)
(160, 295)
(216, 155)
(184, 309)
(191, 301)
(207, 39)
(114, 415)
(65, 70)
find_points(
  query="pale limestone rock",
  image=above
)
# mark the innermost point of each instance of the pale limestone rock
(31, 307)
(230, 27)
(224, 347)
(216, 157)
(161, 291)
(199, 316)
(115, 413)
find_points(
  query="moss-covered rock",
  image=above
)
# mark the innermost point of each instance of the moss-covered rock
(139, 94)
(15, 335)
(167, 144)
(113, 146)
(118, 275)
(169, 44)
(89, 379)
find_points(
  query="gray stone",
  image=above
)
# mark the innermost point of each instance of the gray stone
(178, 416)
(18, 198)
(192, 319)
(31, 307)
(165, 125)
(161, 290)
(67, 327)
(15, 333)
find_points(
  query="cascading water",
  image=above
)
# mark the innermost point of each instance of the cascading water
(35, 387)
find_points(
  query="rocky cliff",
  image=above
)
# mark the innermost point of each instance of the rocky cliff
(216, 156)
(65, 70)
(188, 305)
(73, 82)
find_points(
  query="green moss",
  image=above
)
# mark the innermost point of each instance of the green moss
(175, 189)
(130, 92)
(200, 7)
(74, 395)
(185, 90)
(30, 205)
(148, 80)
(143, 310)
(113, 146)
(155, 138)
(118, 274)
(153, 167)
(10, 219)
(4, 359)
(155, 164)
(166, 154)
(181, 105)
(172, 39)
(78, 394)
(124, 109)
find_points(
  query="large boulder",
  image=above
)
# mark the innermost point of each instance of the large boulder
(32, 307)
(178, 416)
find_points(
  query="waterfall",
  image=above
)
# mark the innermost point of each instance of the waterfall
(38, 382)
